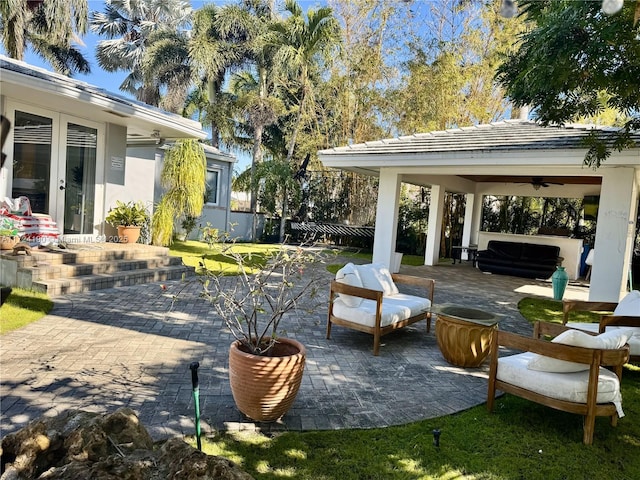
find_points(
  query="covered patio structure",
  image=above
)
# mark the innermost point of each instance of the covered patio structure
(505, 158)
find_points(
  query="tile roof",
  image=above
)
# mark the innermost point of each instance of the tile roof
(505, 135)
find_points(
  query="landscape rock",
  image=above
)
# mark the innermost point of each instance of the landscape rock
(81, 445)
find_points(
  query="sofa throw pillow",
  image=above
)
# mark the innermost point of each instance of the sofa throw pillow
(629, 306)
(349, 276)
(610, 340)
(376, 276)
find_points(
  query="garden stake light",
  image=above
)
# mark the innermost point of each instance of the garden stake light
(196, 399)
(436, 437)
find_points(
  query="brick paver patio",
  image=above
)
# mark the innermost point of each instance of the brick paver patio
(127, 347)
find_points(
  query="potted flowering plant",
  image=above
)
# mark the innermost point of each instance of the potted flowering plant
(252, 305)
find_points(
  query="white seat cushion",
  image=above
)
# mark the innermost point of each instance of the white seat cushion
(634, 340)
(611, 339)
(629, 306)
(349, 276)
(563, 386)
(394, 309)
(376, 276)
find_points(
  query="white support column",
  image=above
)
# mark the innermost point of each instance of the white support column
(384, 241)
(432, 251)
(614, 234)
(477, 218)
(468, 223)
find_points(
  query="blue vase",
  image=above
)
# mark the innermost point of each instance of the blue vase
(559, 280)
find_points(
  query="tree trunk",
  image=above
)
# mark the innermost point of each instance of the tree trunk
(283, 218)
(255, 160)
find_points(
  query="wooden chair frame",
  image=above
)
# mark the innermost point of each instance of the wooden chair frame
(365, 293)
(605, 319)
(595, 358)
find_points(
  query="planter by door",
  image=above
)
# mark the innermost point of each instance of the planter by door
(7, 242)
(264, 388)
(128, 234)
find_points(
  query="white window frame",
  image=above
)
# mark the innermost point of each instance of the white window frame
(218, 171)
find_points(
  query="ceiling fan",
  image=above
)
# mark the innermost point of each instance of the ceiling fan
(538, 182)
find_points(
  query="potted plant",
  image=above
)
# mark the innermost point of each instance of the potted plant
(265, 368)
(8, 234)
(128, 218)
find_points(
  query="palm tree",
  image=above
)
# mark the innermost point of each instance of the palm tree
(300, 44)
(129, 26)
(48, 27)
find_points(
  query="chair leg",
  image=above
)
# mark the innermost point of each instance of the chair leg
(376, 343)
(428, 322)
(589, 427)
(328, 328)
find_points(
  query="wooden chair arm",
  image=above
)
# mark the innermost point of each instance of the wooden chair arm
(544, 329)
(585, 306)
(367, 293)
(560, 351)
(427, 283)
(618, 320)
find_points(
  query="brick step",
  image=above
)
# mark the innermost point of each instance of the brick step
(85, 283)
(43, 271)
(95, 253)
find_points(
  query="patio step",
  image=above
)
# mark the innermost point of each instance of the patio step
(85, 283)
(86, 267)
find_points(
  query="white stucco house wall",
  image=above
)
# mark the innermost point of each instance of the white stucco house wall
(502, 159)
(74, 149)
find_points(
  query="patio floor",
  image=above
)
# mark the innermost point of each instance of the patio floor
(126, 347)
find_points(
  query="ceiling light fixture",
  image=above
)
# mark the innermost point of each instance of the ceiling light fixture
(611, 7)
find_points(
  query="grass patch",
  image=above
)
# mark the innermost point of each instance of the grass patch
(534, 309)
(194, 252)
(520, 440)
(21, 308)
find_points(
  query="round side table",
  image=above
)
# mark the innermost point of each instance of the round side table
(464, 334)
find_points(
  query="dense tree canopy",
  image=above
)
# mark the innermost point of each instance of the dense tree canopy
(574, 62)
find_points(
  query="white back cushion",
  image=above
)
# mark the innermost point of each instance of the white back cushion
(349, 276)
(376, 276)
(629, 306)
(609, 340)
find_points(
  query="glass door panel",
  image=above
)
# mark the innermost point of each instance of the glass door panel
(32, 159)
(80, 179)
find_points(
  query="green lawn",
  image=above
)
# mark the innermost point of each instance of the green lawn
(21, 308)
(520, 440)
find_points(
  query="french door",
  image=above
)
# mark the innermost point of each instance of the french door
(58, 164)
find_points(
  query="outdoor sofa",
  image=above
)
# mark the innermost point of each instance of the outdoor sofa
(366, 298)
(528, 260)
(577, 372)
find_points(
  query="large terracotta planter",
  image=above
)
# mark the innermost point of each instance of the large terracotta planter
(264, 388)
(128, 234)
(464, 334)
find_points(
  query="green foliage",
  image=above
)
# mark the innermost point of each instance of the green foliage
(569, 57)
(184, 180)
(21, 308)
(129, 214)
(47, 28)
